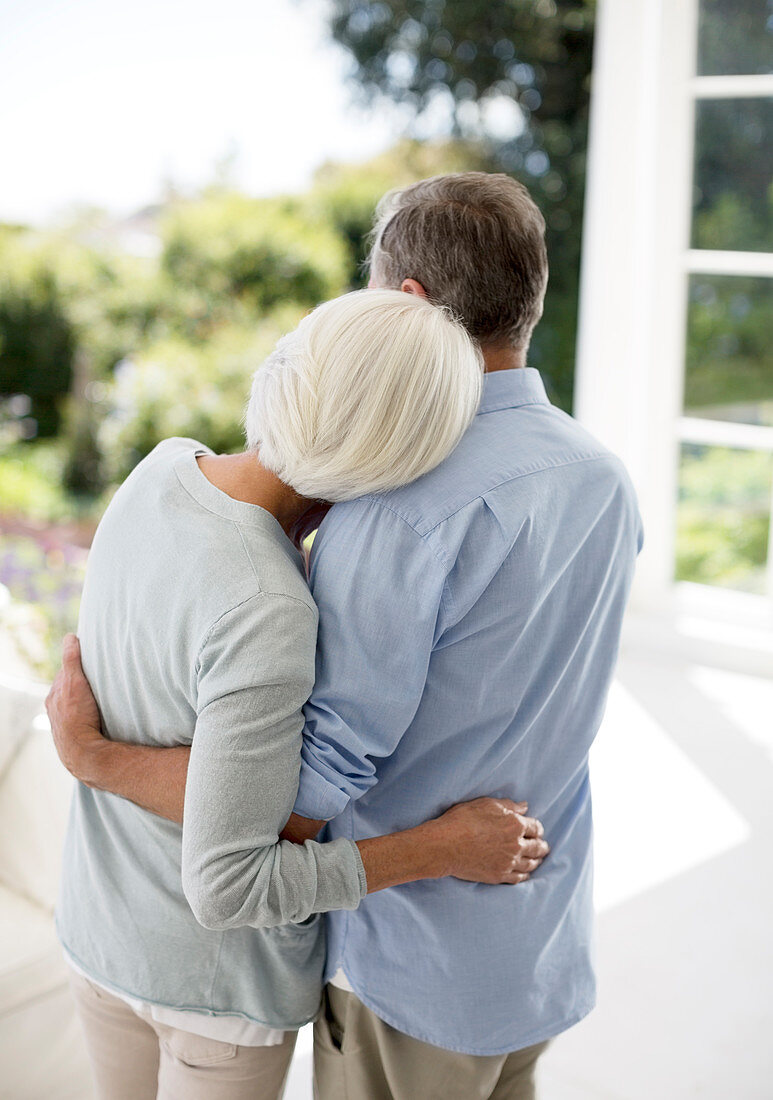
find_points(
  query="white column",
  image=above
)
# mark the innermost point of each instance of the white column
(633, 288)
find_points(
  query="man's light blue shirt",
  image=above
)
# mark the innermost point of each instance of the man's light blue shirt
(469, 626)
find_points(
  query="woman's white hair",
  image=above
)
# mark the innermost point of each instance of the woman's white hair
(370, 391)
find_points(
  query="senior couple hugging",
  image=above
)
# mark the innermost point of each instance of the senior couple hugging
(389, 733)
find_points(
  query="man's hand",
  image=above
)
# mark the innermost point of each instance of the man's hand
(152, 777)
(490, 840)
(73, 712)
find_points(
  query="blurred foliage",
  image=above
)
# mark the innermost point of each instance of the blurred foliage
(255, 252)
(110, 348)
(733, 209)
(514, 75)
(735, 36)
(177, 388)
(48, 579)
(68, 312)
(345, 196)
(127, 349)
(36, 340)
(729, 345)
(31, 482)
(723, 518)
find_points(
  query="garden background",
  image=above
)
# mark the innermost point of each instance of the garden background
(116, 332)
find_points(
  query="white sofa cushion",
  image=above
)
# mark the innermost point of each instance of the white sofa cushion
(34, 804)
(20, 701)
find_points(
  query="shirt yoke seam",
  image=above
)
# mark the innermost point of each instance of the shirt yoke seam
(422, 538)
(445, 595)
(507, 481)
(509, 405)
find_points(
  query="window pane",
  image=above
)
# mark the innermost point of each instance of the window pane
(735, 36)
(729, 373)
(732, 206)
(723, 517)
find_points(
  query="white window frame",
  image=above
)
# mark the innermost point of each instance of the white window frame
(635, 274)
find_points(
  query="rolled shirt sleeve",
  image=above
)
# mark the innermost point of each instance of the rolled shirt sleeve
(379, 587)
(255, 672)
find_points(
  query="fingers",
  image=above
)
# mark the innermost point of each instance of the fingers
(534, 849)
(53, 691)
(514, 878)
(513, 807)
(526, 865)
(533, 828)
(71, 650)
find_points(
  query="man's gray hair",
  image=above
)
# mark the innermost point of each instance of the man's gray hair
(476, 243)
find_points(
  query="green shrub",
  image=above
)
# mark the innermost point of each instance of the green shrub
(37, 342)
(723, 518)
(345, 195)
(178, 388)
(255, 252)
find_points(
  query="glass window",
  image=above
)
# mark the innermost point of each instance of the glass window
(729, 371)
(723, 516)
(733, 182)
(735, 37)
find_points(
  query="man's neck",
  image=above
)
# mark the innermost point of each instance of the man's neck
(499, 358)
(242, 477)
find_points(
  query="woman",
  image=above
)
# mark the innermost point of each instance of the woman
(197, 951)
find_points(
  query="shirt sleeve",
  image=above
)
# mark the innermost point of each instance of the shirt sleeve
(256, 670)
(379, 588)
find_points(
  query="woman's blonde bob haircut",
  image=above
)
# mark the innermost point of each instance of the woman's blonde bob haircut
(369, 392)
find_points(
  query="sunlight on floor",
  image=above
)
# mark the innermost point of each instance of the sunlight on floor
(644, 789)
(743, 700)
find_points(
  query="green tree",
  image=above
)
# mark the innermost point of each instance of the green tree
(734, 36)
(37, 342)
(534, 55)
(231, 250)
(345, 196)
(179, 387)
(723, 517)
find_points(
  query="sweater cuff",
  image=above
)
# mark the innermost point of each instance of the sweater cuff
(360, 870)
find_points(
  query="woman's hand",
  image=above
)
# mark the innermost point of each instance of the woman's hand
(486, 840)
(491, 840)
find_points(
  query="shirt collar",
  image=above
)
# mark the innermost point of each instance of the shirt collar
(508, 389)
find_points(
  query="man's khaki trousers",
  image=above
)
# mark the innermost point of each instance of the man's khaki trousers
(134, 1058)
(359, 1057)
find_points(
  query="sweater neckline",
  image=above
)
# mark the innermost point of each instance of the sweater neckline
(215, 500)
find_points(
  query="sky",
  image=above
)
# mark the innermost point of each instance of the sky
(102, 102)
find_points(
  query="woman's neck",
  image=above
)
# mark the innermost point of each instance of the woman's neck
(242, 477)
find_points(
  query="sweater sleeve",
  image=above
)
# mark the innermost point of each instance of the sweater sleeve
(256, 670)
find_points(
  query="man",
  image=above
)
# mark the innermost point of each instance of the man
(469, 625)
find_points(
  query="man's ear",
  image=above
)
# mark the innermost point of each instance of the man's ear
(411, 286)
